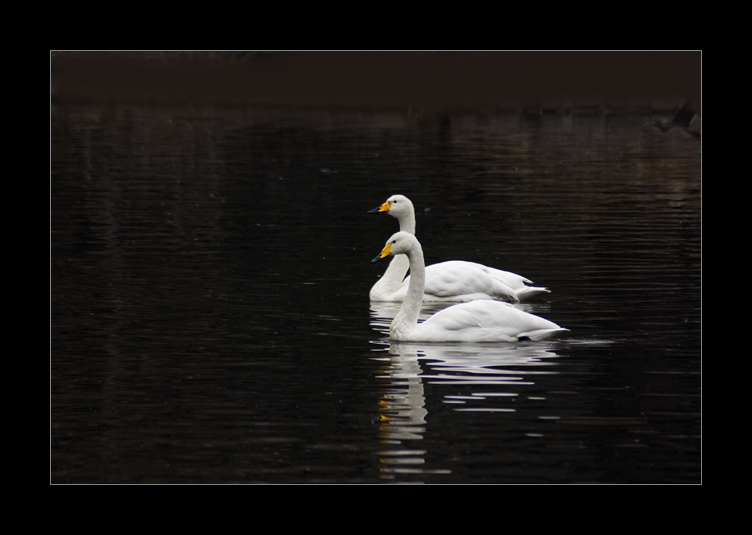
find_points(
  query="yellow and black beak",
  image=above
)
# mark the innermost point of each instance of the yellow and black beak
(386, 251)
(383, 208)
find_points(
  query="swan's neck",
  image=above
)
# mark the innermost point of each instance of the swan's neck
(391, 280)
(407, 317)
(407, 222)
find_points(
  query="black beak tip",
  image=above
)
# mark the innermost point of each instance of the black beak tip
(374, 211)
(376, 259)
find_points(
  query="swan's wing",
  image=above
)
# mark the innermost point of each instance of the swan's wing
(486, 321)
(458, 278)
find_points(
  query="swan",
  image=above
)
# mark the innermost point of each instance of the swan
(455, 280)
(474, 321)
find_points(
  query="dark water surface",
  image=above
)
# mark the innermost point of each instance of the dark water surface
(210, 320)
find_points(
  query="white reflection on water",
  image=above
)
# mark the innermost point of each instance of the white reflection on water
(497, 364)
(496, 370)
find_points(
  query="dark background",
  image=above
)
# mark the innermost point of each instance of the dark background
(497, 79)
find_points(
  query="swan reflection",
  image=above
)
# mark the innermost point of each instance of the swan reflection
(489, 377)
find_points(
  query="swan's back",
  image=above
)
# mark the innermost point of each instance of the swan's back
(458, 280)
(483, 321)
(465, 281)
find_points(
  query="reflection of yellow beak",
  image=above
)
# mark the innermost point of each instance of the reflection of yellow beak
(385, 207)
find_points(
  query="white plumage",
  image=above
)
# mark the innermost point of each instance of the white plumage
(455, 280)
(475, 321)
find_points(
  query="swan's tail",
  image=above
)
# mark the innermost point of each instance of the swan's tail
(530, 291)
(520, 285)
(541, 334)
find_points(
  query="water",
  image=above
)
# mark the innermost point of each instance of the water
(210, 320)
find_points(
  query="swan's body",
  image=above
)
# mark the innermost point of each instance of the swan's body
(475, 321)
(455, 280)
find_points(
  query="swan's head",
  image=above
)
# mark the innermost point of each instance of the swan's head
(399, 243)
(396, 206)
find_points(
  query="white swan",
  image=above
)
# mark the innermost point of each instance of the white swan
(455, 280)
(476, 321)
